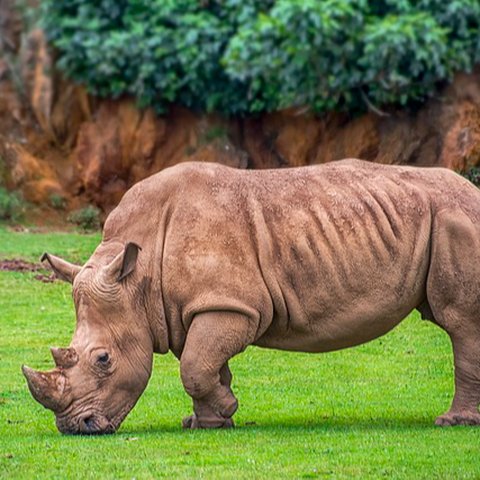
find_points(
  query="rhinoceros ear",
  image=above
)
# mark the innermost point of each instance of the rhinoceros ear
(63, 269)
(123, 264)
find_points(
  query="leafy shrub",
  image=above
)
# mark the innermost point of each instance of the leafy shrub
(57, 201)
(87, 218)
(216, 132)
(11, 205)
(473, 174)
(254, 55)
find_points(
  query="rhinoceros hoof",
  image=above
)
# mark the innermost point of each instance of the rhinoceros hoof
(461, 418)
(193, 422)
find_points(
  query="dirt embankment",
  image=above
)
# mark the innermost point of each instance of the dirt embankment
(57, 142)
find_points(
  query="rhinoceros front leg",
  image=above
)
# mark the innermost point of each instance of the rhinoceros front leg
(213, 338)
(205, 412)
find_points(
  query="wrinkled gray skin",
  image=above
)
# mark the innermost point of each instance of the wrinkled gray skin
(204, 260)
(100, 376)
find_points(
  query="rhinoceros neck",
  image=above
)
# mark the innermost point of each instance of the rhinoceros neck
(133, 222)
(150, 288)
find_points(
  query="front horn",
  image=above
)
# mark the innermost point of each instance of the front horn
(47, 388)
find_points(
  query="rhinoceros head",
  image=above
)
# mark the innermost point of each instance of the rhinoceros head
(100, 376)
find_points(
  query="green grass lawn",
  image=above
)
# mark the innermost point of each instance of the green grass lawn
(367, 412)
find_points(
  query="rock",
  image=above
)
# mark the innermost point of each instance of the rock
(122, 144)
(10, 26)
(37, 68)
(461, 143)
(35, 177)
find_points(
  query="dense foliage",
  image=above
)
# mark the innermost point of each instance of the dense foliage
(240, 56)
(473, 174)
(88, 218)
(11, 205)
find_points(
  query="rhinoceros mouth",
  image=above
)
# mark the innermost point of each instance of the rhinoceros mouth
(92, 424)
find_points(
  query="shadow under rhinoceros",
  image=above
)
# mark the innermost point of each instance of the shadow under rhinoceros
(334, 424)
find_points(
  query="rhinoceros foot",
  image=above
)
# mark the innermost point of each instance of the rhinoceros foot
(193, 422)
(450, 419)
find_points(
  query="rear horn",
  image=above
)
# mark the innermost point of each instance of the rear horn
(64, 357)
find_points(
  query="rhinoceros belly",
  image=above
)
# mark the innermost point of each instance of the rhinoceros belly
(347, 269)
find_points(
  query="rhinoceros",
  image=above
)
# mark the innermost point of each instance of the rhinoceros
(204, 260)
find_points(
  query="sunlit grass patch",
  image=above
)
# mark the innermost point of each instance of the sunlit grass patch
(366, 412)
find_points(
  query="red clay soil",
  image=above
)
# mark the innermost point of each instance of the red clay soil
(18, 265)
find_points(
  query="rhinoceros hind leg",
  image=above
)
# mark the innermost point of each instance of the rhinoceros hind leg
(464, 409)
(453, 287)
(450, 419)
(213, 338)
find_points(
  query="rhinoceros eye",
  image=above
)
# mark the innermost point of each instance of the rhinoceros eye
(103, 359)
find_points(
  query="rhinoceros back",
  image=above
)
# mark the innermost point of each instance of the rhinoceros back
(319, 257)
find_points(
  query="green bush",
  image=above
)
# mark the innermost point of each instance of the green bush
(473, 175)
(240, 56)
(11, 205)
(87, 218)
(57, 201)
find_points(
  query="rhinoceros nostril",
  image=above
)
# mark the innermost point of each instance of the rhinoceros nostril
(89, 423)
